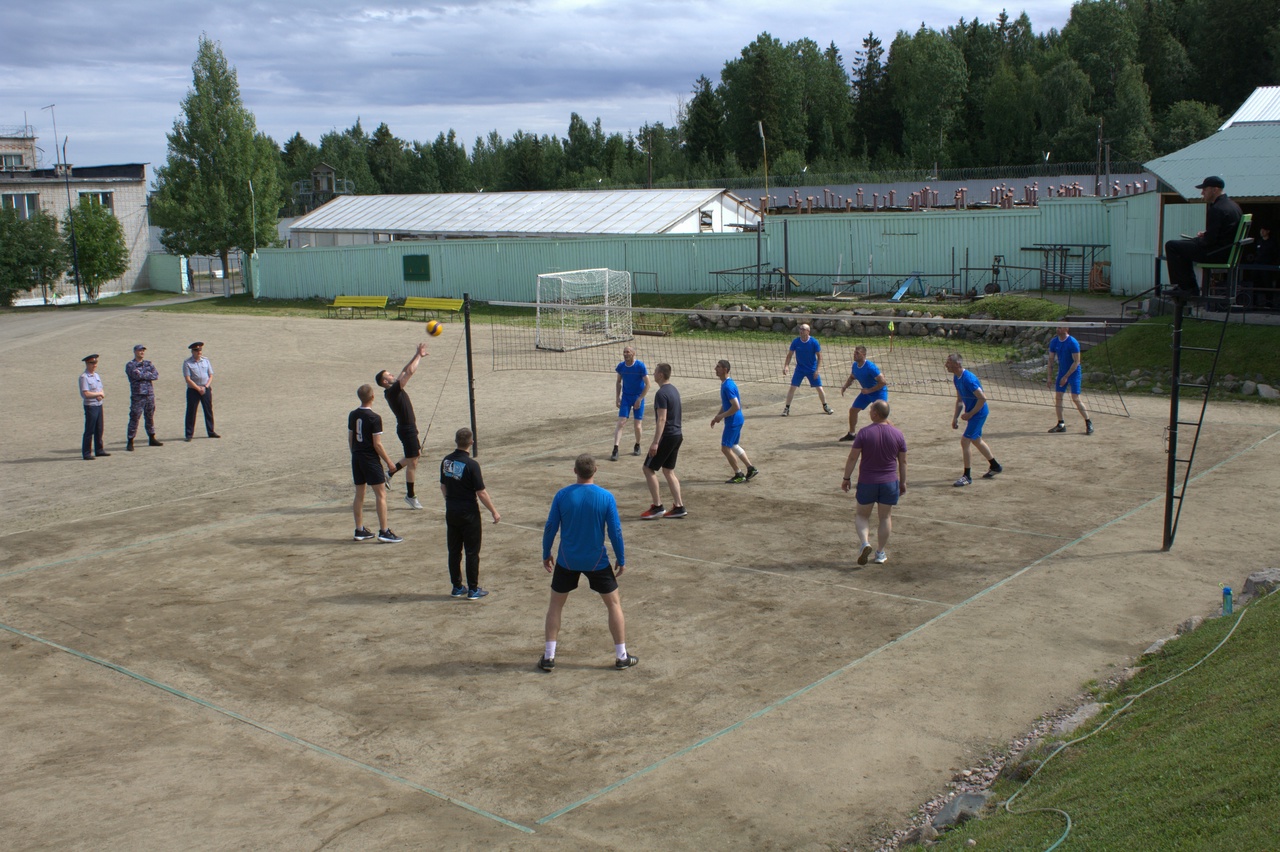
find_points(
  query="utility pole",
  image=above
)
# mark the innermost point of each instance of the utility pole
(71, 210)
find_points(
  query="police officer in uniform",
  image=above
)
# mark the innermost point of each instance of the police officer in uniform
(142, 396)
(92, 394)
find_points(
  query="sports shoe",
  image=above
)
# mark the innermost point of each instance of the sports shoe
(881, 557)
(1061, 427)
(153, 442)
(129, 446)
(412, 502)
(865, 554)
(547, 664)
(363, 534)
(635, 451)
(786, 410)
(962, 481)
(627, 663)
(476, 594)
(738, 476)
(751, 472)
(614, 455)
(458, 592)
(1088, 427)
(676, 512)
(827, 408)
(214, 435)
(388, 537)
(848, 436)
(992, 471)
(652, 513)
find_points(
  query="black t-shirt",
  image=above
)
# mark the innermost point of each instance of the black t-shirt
(460, 476)
(401, 407)
(669, 398)
(364, 423)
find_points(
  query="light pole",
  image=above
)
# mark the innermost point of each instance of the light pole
(764, 148)
(71, 213)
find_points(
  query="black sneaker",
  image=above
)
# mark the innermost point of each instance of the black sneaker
(1088, 427)
(676, 512)
(614, 455)
(786, 411)
(627, 663)
(388, 537)
(363, 534)
(652, 513)
(738, 476)
(635, 451)
(992, 471)
(1061, 427)
(827, 408)
(129, 446)
(751, 473)
(547, 664)
(848, 436)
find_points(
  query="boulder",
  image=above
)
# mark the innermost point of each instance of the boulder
(1268, 392)
(1262, 582)
(963, 807)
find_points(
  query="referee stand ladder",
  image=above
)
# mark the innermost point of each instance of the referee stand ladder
(1178, 474)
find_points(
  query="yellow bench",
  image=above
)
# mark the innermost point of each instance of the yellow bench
(348, 305)
(427, 304)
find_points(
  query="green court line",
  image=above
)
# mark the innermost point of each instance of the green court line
(287, 737)
(876, 651)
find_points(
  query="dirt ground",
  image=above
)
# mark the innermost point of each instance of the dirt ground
(196, 655)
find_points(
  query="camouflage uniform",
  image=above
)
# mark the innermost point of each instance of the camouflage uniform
(142, 396)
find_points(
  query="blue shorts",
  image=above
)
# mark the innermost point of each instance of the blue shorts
(625, 409)
(973, 426)
(812, 375)
(1072, 386)
(877, 492)
(865, 399)
(732, 432)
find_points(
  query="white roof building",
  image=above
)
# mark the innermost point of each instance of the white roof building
(364, 219)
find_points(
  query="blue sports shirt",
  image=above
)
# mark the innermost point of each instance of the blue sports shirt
(965, 384)
(866, 376)
(632, 377)
(581, 513)
(728, 393)
(806, 354)
(1065, 351)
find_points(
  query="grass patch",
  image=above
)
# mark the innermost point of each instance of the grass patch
(1003, 307)
(1190, 765)
(243, 304)
(1248, 351)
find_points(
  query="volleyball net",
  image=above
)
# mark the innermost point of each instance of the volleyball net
(1009, 357)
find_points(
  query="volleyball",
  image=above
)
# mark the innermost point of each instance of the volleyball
(435, 328)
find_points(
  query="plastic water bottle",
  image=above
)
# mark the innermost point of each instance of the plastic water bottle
(1226, 600)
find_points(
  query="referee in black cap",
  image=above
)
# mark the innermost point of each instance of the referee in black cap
(1221, 218)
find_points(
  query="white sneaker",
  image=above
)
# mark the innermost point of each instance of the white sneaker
(881, 557)
(412, 502)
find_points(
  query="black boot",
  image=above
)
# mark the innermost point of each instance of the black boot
(152, 442)
(129, 446)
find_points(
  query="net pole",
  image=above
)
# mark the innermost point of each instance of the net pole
(471, 375)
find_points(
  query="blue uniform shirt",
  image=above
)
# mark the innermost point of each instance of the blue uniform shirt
(867, 376)
(728, 393)
(581, 513)
(806, 354)
(966, 383)
(632, 377)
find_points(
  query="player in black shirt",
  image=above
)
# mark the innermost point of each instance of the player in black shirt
(462, 485)
(364, 437)
(406, 423)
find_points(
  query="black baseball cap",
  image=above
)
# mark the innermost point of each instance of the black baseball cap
(1211, 180)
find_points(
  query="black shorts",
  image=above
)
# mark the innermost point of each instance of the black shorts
(668, 452)
(409, 440)
(367, 470)
(603, 581)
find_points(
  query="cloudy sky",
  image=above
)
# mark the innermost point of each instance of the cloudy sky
(117, 70)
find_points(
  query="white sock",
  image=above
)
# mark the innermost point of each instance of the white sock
(550, 652)
(620, 651)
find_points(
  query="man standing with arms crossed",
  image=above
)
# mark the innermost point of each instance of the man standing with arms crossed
(973, 403)
(872, 384)
(197, 372)
(462, 485)
(665, 449)
(582, 513)
(406, 423)
(808, 352)
(882, 478)
(1065, 349)
(731, 413)
(632, 385)
(364, 437)
(142, 397)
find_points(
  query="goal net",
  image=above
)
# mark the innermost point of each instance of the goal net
(582, 308)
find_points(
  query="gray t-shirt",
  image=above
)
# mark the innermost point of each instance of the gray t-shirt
(668, 398)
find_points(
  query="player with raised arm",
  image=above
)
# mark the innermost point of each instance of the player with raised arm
(632, 385)
(872, 384)
(406, 423)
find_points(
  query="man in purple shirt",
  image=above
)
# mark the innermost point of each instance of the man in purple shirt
(882, 478)
(582, 513)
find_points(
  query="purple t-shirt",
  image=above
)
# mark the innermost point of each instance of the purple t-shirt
(880, 444)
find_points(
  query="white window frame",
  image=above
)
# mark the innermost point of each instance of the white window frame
(26, 203)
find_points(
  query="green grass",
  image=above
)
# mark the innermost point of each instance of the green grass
(1190, 766)
(139, 297)
(1247, 350)
(245, 305)
(1021, 308)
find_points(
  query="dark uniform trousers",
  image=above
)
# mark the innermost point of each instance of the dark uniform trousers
(92, 441)
(140, 407)
(463, 530)
(203, 400)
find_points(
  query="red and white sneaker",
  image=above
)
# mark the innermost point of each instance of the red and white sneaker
(652, 513)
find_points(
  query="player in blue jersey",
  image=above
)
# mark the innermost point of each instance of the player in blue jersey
(582, 513)
(731, 414)
(972, 408)
(632, 385)
(1065, 350)
(872, 384)
(808, 353)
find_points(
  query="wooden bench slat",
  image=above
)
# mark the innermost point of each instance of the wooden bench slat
(351, 304)
(425, 304)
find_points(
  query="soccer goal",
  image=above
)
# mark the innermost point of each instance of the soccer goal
(583, 308)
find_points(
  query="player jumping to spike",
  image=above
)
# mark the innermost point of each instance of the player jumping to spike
(406, 423)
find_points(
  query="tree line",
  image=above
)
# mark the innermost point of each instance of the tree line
(1148, 76)
(35, 253)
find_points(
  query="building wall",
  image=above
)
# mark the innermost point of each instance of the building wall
(129, 203)
(890, 244)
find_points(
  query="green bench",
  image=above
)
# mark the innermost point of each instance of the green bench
(348, 305)
(417, 307)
